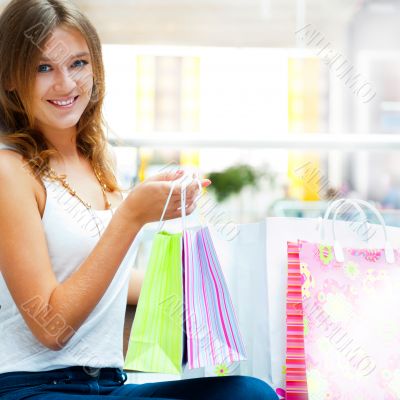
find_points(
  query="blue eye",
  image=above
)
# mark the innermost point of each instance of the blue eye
(42, 67)
(76, 64)
(80, 63)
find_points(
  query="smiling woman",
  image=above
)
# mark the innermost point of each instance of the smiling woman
(63, 288)
(53, 56)
(63, 86)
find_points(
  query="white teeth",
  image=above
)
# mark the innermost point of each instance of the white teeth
(63, 103)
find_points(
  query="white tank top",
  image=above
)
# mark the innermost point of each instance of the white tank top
(71, 234)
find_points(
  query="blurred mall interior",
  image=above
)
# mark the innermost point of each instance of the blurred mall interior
(285, 104)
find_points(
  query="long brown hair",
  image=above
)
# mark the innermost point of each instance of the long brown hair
(25, 26)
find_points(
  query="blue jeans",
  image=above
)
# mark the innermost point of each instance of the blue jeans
(74, 383)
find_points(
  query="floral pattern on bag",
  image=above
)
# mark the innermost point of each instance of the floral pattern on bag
(351, 324)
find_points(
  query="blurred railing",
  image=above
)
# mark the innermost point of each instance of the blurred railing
(347, 142)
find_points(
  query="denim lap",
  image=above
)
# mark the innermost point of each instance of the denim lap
(74, 384)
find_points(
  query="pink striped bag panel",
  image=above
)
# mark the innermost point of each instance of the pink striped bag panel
(212, 330)
(296, 378)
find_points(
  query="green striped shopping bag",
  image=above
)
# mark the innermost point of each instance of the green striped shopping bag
(156, 340)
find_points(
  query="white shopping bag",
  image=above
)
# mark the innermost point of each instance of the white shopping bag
(279, 231)
(242, 258)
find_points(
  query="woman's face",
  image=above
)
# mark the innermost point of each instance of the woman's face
(64, 81)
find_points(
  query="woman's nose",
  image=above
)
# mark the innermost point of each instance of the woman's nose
(64, 82)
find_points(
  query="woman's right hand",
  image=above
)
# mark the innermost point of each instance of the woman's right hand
(145, 202)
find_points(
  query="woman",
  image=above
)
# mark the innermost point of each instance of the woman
(68, 235)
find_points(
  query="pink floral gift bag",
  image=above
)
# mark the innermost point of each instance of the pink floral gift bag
(351, 309)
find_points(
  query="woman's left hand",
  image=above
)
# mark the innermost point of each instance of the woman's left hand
(193, 190)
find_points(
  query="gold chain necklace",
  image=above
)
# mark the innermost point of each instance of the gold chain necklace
(52, 175)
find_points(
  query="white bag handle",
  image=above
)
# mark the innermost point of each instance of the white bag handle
(339, 203)
(185, 183)
(389, 252)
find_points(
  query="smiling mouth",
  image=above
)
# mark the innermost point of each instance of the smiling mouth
(68, 103)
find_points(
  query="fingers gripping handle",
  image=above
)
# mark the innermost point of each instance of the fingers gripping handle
(184, 181)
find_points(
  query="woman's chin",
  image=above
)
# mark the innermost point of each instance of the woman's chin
(58, 125)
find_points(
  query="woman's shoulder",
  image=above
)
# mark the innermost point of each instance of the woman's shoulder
(14, 168)
(18, 180)
(9, 153)
(10, 157)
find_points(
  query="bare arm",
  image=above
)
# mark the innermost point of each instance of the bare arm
(78, 295)
(54, 311)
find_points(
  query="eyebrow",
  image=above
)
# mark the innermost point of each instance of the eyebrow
(81, 54)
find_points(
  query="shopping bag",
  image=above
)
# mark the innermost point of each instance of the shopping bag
(212, 330)
(156, 339)
(241, 252)
(296, 378)
(351, 307)
(210, 333)
(280, 230)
